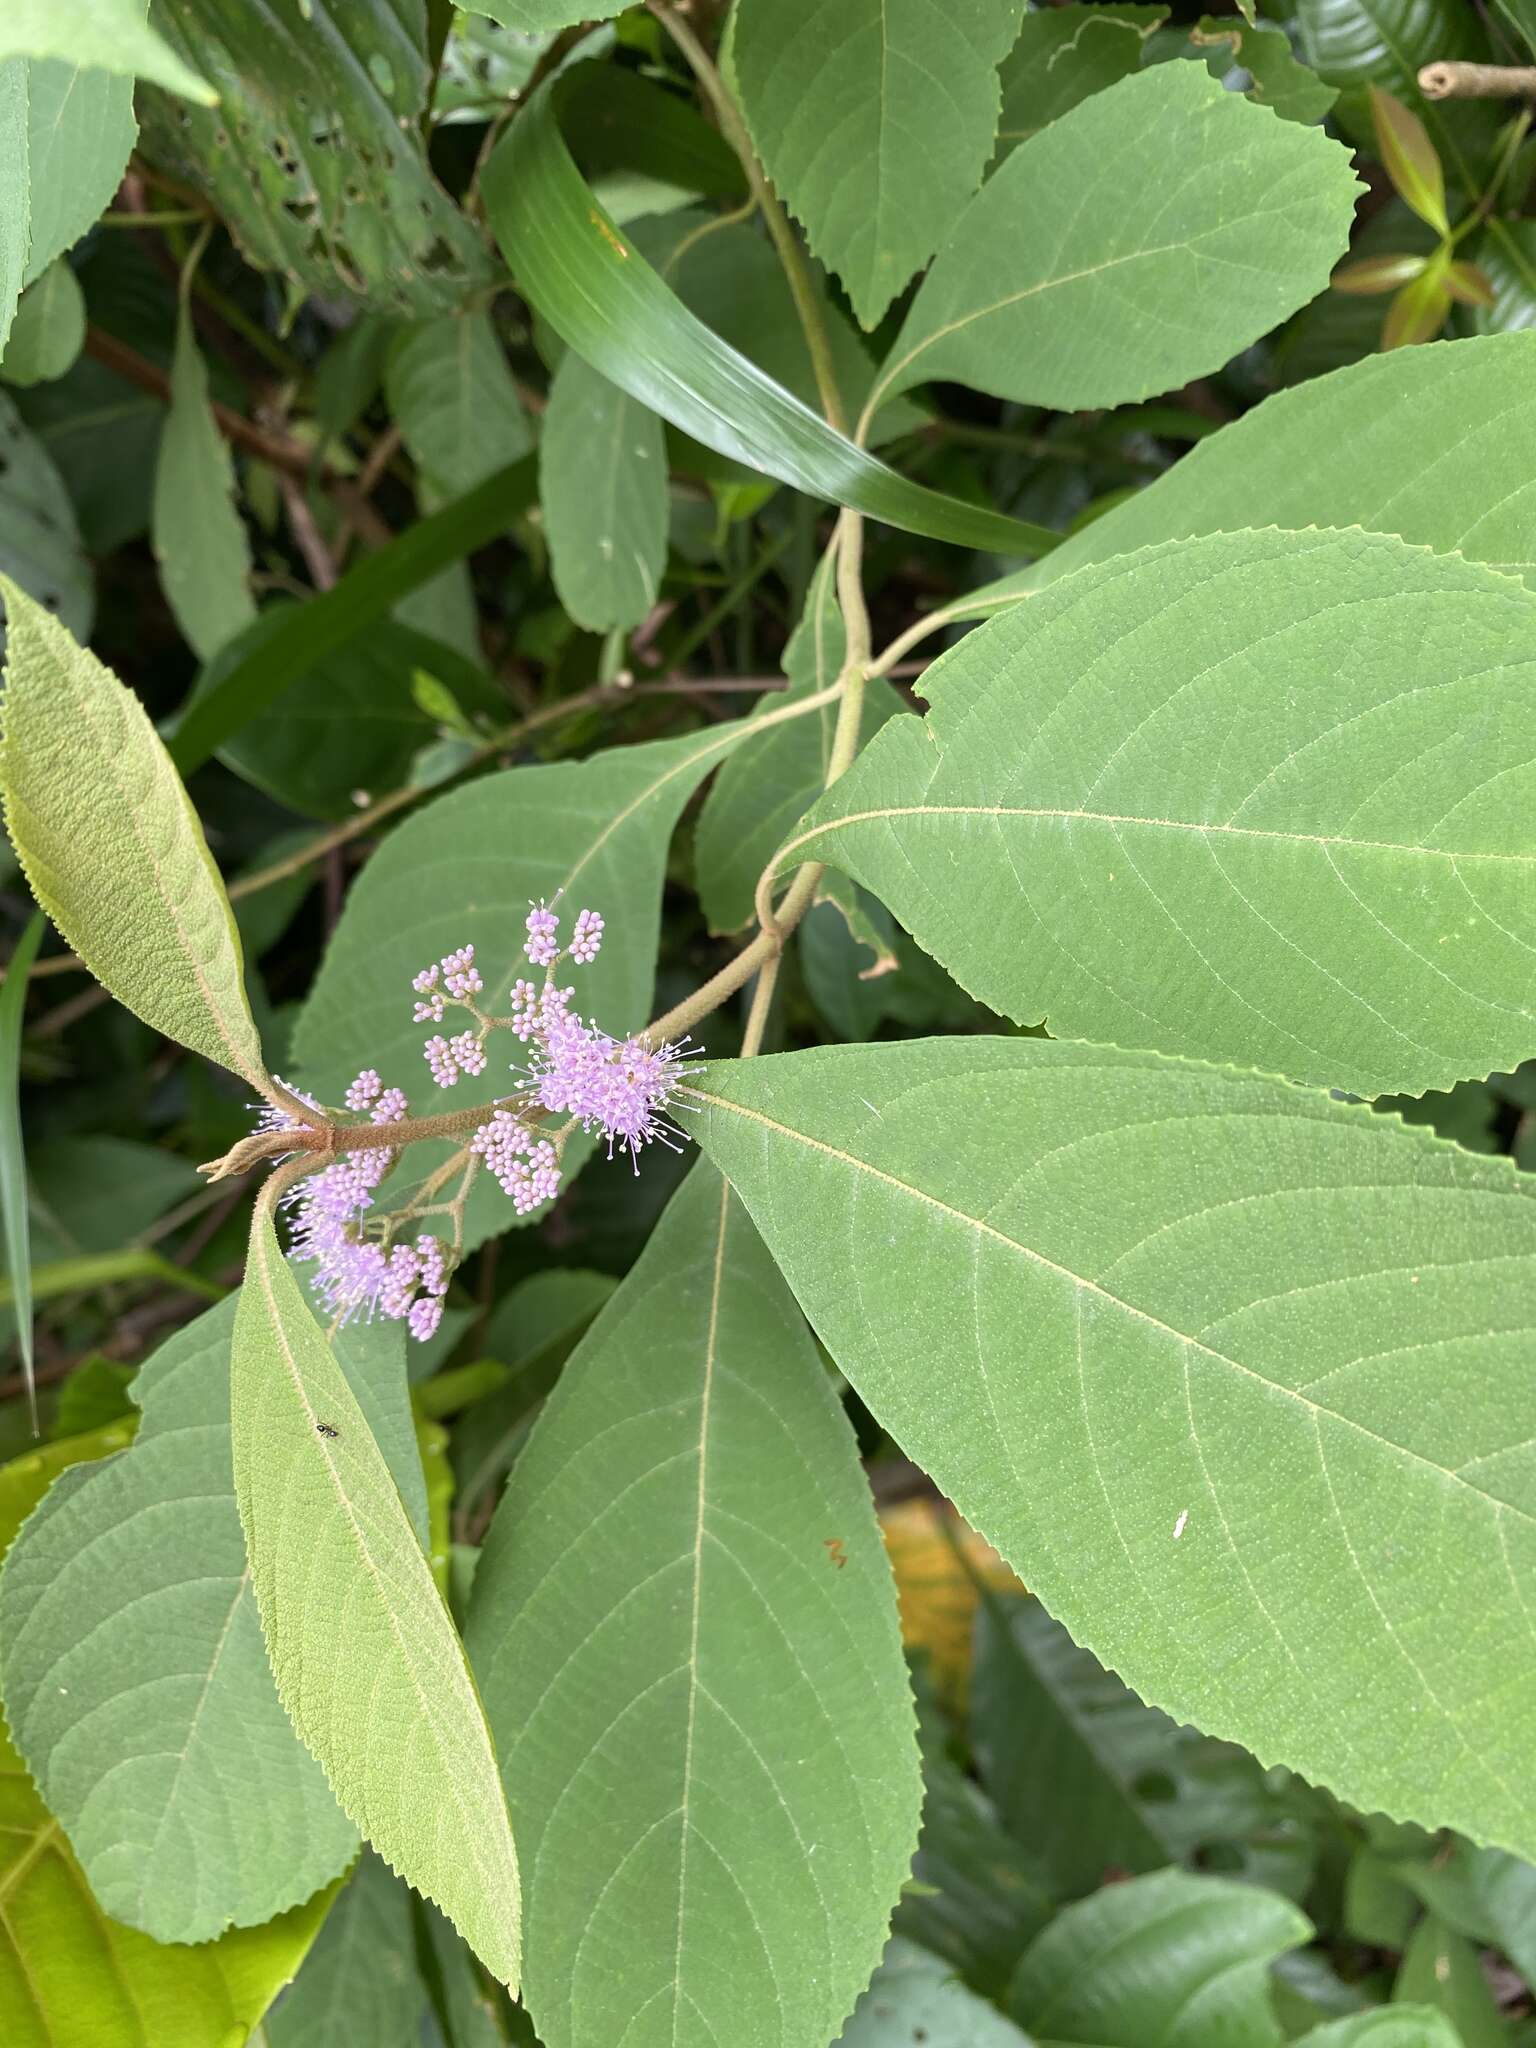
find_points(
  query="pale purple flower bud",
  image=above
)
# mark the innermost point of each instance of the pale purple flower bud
(433, 1267)
(543, 945)
(431, 1010)
(468, 1052)
(402, 1274)
(525, 1009)
(363, 1090)
(461, 977)
(528, 1169)
(439, 1057)
(390, 1107)
(424, 1317)
(588, 938)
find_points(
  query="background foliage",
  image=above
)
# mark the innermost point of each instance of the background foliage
(435, 419)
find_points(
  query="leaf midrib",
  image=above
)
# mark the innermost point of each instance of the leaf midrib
(1315, 1410)
(1064, 816)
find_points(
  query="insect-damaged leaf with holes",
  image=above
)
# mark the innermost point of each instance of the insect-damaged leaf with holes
(1085, 273)
(313, 157)
(1237, 1378)
(1062, 56)
(112, 846)
(135, 1680)
(875, 124)
(695, 1673)
(367, 1662)
(1261, 797)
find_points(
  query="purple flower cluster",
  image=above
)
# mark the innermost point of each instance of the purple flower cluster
(355, 1274)
(621, 1088)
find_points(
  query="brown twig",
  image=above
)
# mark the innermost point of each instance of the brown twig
(1448, 79)
(288, 458)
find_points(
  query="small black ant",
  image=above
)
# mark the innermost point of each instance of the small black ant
(325, 1429)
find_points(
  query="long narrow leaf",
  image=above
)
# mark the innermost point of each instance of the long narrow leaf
(101, 1269)
(601, 296)
(13, 1158)
(308, 632)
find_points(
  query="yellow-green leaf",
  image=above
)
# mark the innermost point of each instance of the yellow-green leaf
(367, 1662)
(111, 845)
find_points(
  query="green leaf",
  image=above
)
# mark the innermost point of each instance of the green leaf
(112, 847)
(1390, 2026)
(80, 133)
(625, 123)
(454, 401)
(1521, 16)
(600, 295)
(597, 829)
(1170, 1961)
(360, 1981)
(731, 279)
(314, 158)
(1062, 56)
(39, 541)
(1385, 42)
(67, 1972)
(1300, 1292)
(878, 135)
(365, 1656)
(1419, 310)
(1443, 1970)
(1429, 446)
(49, 330)
(1409, 158)
(102, 1269)
(199, 537)
(102, 35)
(534, 16)
(15, 191)
(1486, 1895)
(695, 1676)
(136, 1681)
(916, 1997)
(1295, 93)
(1085, 1773)
(1373, 274)
(13, 1157)
(1336, 891)
(603, 489)
(359, 721)
(768, 785)
(1079, 276)
(367, 593)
